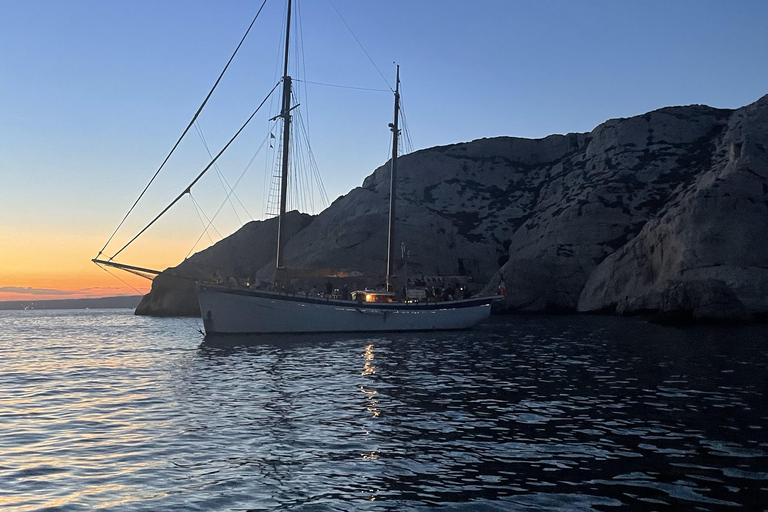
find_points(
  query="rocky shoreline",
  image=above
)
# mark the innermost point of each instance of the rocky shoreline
(661, 214)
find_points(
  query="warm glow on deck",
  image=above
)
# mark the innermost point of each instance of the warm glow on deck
(379, 296)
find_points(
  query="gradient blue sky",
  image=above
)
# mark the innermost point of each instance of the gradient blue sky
(94, 93)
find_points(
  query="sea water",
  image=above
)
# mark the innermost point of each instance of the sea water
(103, 409)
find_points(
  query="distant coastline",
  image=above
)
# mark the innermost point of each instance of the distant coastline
(123, 301)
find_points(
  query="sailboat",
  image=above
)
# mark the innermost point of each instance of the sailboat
(236, 310)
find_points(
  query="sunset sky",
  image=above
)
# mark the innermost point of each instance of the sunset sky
(93, 95)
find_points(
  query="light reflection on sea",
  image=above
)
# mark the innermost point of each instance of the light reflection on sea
(102, 409)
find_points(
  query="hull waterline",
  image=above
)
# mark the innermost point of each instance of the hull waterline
(240, 311)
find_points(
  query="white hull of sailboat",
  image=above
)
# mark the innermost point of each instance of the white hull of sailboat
(233, 311)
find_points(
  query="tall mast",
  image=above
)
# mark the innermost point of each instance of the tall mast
(393, 190)
(285, 113)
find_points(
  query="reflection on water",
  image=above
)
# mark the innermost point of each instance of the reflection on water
(104, 409)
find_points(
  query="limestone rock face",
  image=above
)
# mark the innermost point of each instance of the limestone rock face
(598, 221)
(714, 229)
(589, 201)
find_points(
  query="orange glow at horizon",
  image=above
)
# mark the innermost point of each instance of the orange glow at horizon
(47, 265)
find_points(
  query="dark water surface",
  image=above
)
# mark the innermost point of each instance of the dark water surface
(102, 409)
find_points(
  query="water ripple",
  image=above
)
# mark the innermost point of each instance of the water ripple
(102, 409)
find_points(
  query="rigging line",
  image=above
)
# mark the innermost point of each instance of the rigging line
(341, 86)
(406, 127)
(222, 179)
(293, 192)
(210, 222)
(409, 146)
(313, 165)
(195, 325)
(300, 18)
(185, 130)
(304, 186)
(140, 274)
(301, 145)
(301, 174)
(406, 131)
(247, 167)
(129, 285)
(269, 158)
(219, 173)
(318, 178)
(303, 183)
(204, 233)
(361, 46)
(237, 198)
(189, 187)
(275, 173)
(407, 143)
(199, 216)
(279, 61)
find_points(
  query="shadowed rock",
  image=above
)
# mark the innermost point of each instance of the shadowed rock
(699, 301)
(712, 229)
(240, 255)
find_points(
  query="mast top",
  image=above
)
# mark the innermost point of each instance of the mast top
(287, 38)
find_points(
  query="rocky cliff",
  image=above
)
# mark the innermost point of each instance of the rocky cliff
(641, 214)
(239, 255)
(705, 253)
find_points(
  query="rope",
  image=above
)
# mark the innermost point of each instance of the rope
(222, 179)
(184, 133)
(210, 222)
(301, 61)
(407, 142)
(313, 164)
(361, 46)
(202, 214)
(189, 187)
(202, 222)
(129, 285)
(341, 86)
(196, 325)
